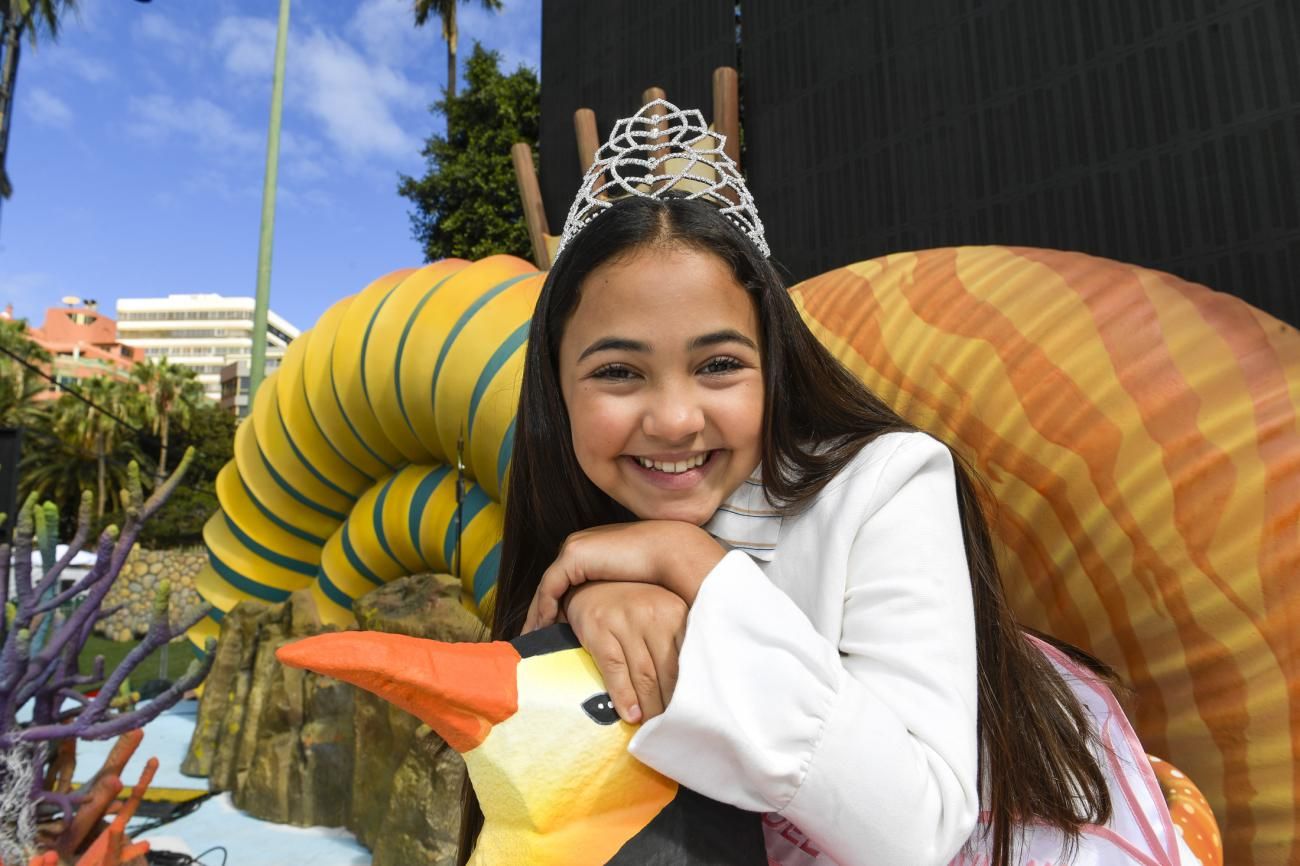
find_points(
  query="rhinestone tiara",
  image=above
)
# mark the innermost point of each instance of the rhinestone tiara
(650, 154)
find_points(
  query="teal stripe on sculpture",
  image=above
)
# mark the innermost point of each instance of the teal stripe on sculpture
(464, 320)
(490, 370)
(262, 551)
(293, 492)
(475, 501)
(401, 348)
(244, 584)
(302, 458)
(355, 561)
(485, 577)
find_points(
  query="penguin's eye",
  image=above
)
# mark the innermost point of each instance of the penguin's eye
(601, 709)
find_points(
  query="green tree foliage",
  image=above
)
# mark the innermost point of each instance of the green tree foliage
(18, 382)
(446, 12)
(467, 204)
(69, 447)
(211, 431)
(94, 426)
(171, 392)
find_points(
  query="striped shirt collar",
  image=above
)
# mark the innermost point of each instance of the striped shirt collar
(747, 521)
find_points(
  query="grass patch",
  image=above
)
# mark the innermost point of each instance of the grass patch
(179, 657)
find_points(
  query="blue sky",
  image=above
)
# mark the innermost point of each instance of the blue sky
(138, 147)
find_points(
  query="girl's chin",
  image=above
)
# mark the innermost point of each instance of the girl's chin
(696, 516)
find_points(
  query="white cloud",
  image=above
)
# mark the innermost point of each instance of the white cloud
(156, 27)
(46, 108)
(158, 116)
(85, 67)
(210, 184)
(387, 31)
(248, 45)
(207, 183)
(307, 199)
(302, 157)
(355, 99)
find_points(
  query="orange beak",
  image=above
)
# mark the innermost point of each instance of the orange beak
(459, 689)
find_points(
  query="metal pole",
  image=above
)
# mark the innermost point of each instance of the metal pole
(460, 500)
(257, 368)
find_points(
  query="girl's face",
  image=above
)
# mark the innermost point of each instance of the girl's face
(661, 374)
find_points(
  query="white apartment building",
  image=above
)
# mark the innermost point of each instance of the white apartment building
(204, 332)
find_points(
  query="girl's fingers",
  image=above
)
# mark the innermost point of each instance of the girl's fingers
(544, 610)
(607, 653)
(664, 653)
(545, 607)
(641, 675)
(548, 609)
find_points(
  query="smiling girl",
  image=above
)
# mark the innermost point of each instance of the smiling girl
(791, 588)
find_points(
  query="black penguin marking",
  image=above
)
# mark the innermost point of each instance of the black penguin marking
(552, 639)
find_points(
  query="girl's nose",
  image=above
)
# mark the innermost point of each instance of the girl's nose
(672, 417)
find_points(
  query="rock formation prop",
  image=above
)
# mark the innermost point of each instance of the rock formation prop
(39, 652)
(301, 749)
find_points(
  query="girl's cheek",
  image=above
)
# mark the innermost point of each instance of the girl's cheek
(603, 423)
(741, 411)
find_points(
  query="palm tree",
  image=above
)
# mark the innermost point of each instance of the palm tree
(76, 443)
(171, 392)
(446, 11)
(18, 382)
(93, 428)
(17, 16)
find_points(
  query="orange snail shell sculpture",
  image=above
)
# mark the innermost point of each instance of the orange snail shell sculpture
(1139, 434)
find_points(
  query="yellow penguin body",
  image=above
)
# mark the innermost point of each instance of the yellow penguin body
(546, 751)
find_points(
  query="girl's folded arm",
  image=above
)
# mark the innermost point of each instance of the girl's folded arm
(869, 747)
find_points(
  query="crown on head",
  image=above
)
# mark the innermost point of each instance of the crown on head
(650, 154)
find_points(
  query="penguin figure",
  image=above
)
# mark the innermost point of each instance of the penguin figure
(546, 751)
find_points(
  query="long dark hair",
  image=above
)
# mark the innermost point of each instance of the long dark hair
(1034, 762)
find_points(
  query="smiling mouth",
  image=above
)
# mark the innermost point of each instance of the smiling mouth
(677, 467)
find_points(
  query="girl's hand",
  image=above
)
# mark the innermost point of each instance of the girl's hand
(634, 634)
(674, 555)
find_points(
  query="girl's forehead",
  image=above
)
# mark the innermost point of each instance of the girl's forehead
(654, 287)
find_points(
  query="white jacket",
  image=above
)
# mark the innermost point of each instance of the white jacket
(827, 678)
(830, 679)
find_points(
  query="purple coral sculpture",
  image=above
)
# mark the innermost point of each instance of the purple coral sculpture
(39, 648)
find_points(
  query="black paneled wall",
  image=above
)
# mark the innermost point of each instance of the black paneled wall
(1160, 132)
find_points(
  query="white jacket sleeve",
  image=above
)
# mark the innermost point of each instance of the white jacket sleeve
(869, 747)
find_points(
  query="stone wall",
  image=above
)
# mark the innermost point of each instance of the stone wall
(299, 748)
(136, 585)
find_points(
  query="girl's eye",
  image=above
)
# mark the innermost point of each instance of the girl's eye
(613, 372)
(721, 364)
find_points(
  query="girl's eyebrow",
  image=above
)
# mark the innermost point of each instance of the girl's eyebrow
(728, 335)
(623, 344)
(607, 344)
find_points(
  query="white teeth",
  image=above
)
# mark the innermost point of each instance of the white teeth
(676, 467)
